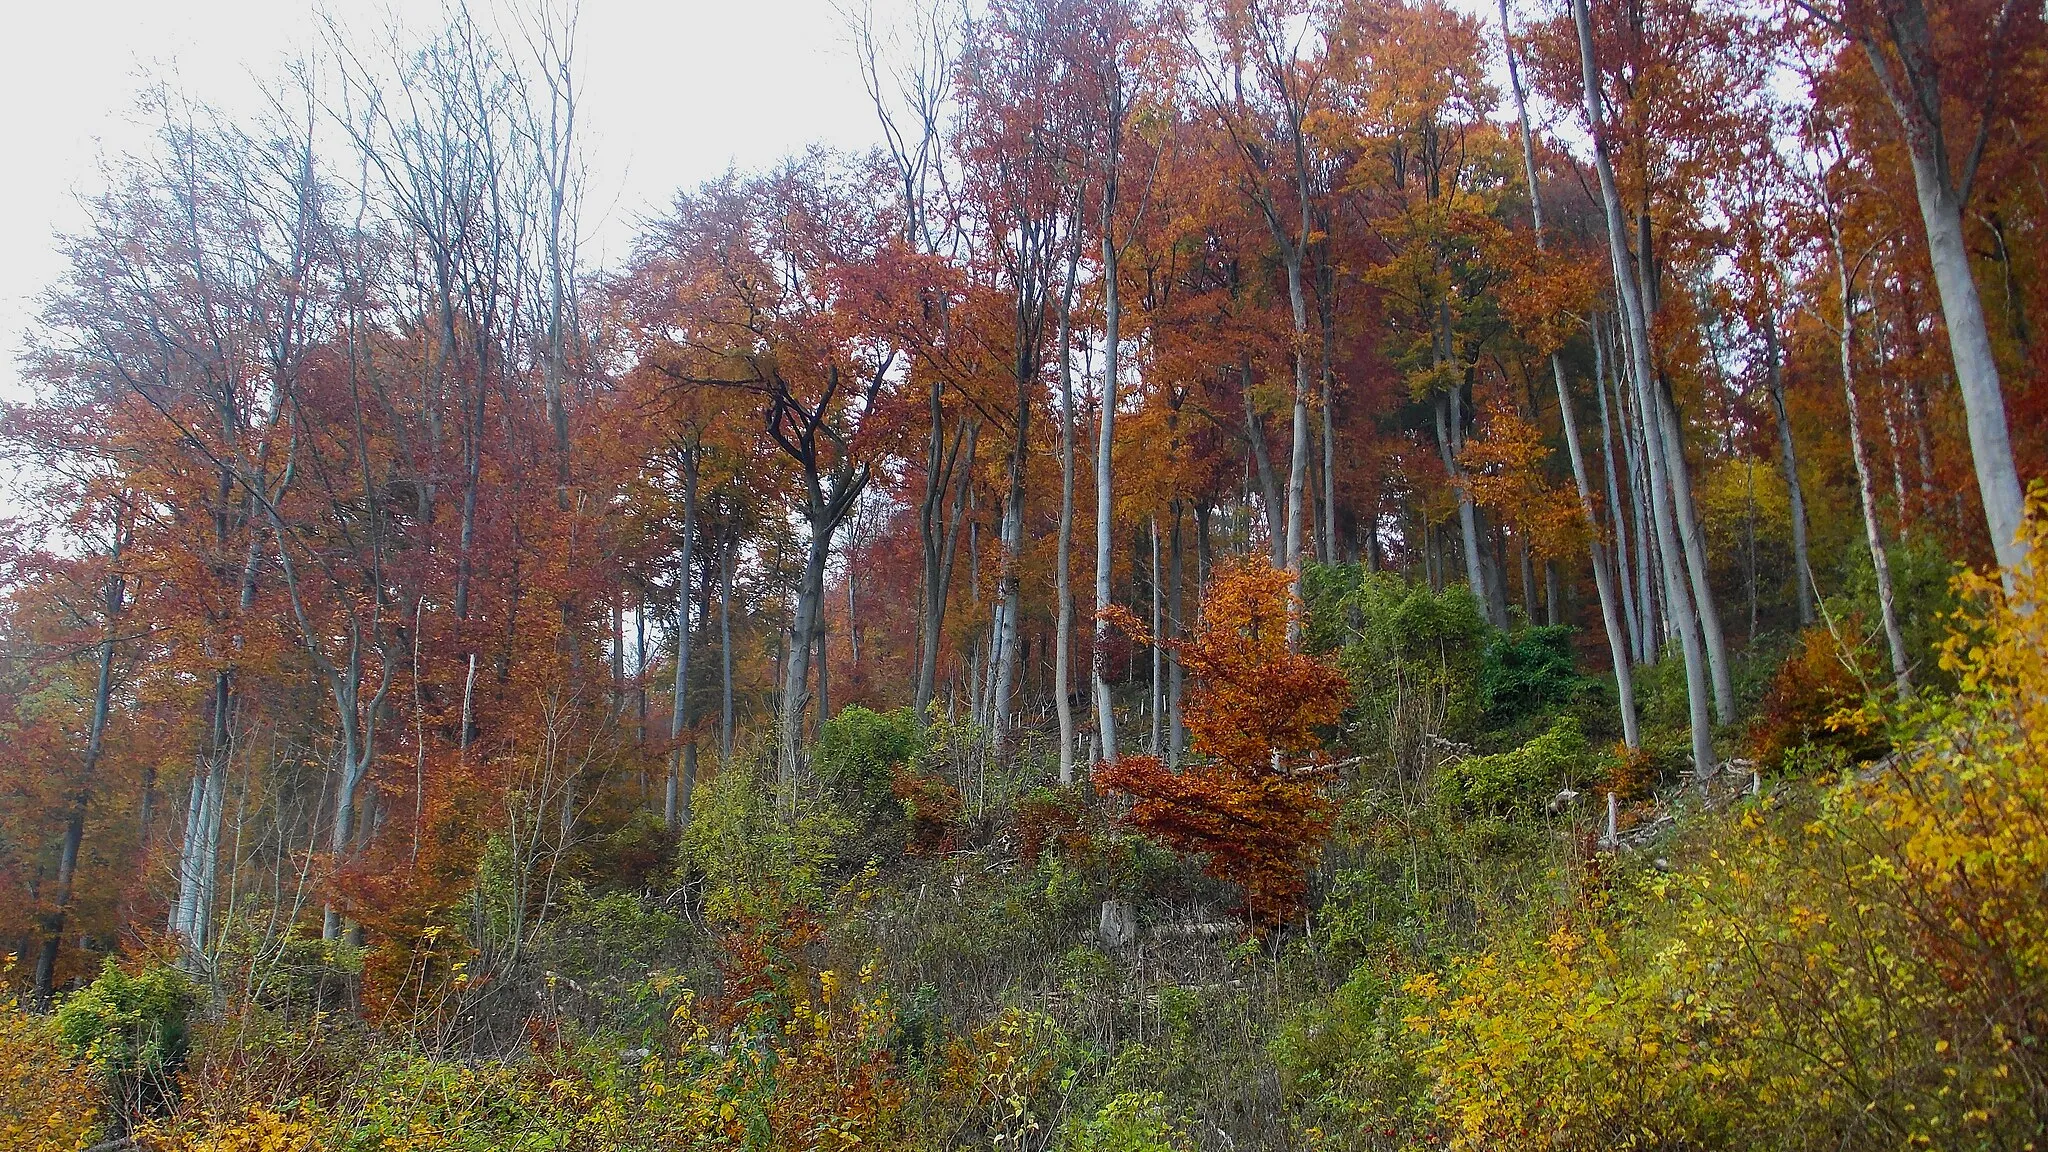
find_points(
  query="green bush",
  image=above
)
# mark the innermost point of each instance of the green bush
(755, 861)
(858, 753)
(134, 1030)
(1526, 673)
(1350, 1062)
(1923, 598)
(1130, 1122)
(1521, 780)
(1413, 656)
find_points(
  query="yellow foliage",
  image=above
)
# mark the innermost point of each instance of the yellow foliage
(1863, 969)
(260, 1130)
(47, 1104)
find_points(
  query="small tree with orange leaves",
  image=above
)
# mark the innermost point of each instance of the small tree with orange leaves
(1253, 804)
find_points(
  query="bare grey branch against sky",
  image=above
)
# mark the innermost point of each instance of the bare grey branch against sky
(672, 94)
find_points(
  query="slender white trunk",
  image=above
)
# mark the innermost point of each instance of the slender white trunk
(1895, 640)
(1158, 686)
(1297, 468)
(676, 797)
(1105, 715)
(1969, 341)
(1618, 511)
(1603, 579)
(1667, 529)
(1063, 639)
(1269, 488)
(1448, 415)
(1788, 460)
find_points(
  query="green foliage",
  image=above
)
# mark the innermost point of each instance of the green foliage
(1864, 966)
(1923, 596)
(620, 959)
(133, 1028)
(756, 860)
(1527, 672)
(1351, 1062)
(1129, 1122)
(1521, 780)
(47, 1103)
(1414, 657)
(858, 753)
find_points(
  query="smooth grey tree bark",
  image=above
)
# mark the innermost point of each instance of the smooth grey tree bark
(1676, 595)
(1788, 461)
(1603, 578)
(1449, 439)
(1105, 436)
(1262, 461)
(1914, 89)
(1617, 510)
(682, 777)
(1873, 533)
(1063, 564)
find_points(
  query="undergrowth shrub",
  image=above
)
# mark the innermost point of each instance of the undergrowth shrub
(1865, 967)
(1413, 658)
(1527, 672)
(859, 753)
(132, 1029)
(1129, 1122)
(1350, 1064)
(48, 1103)
(1253, 803)
(1520, 781)
(1816, 698)
(755, 860)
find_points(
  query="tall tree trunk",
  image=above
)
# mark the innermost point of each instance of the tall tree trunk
(675, 808)
(1669, 438)
(824, 647)
(1448, 415)
(1873, 533)
(1063, 564)
(936, 524)
(74, 824)
(939, 561)
(1157, 687)
(1297, 468)
(796, 671)
(1105, 714)
(1528, 564)
(1704, 763)
(1009, 600)
(725, 710)
(1262, 460)
(1788, 460)
(1917, 99)
(1602, 579)
(1177, 737)
(1624, 587)
(1327, 545)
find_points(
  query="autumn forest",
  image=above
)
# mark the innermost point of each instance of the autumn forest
(1282, 574)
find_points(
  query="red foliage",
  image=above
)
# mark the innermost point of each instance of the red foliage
(932, 807)
(1816, 698)
(1255, 808)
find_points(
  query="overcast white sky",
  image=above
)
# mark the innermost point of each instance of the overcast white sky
(673, 91)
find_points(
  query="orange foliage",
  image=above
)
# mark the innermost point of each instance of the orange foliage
(932, 806)
(1816, 699)
(1255, 807)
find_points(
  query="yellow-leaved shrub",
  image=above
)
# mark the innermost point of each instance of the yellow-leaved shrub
(47, 1103)
(1862, 968)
